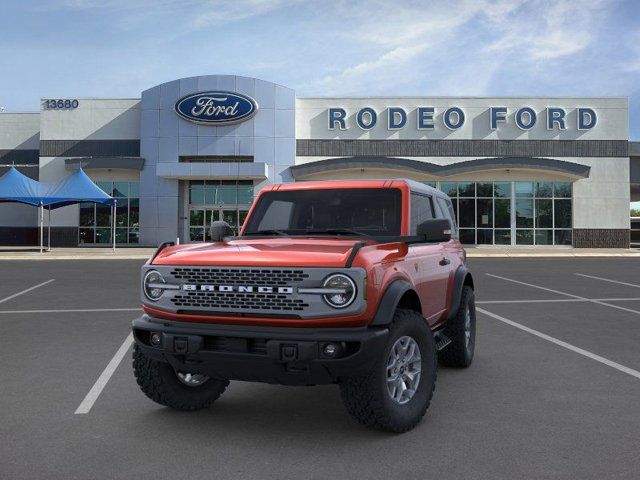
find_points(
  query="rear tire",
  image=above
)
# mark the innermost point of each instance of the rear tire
(461, 330)
(368, 398)
(160, 382)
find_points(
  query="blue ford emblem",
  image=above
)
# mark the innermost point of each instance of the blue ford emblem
(216, 108)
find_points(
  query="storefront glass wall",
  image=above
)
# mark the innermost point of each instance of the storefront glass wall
(511, 213)
(211, 200)
(96, 221)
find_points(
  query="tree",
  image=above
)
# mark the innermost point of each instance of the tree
(635, 212)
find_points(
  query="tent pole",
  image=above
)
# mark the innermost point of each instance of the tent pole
(113, 210)
(41, 226)
(49, 232)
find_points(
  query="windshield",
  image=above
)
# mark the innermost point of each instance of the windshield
(341, 211)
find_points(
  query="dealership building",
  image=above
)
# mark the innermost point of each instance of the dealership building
(520, 170)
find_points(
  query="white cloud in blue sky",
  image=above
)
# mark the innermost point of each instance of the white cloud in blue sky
(476, 47)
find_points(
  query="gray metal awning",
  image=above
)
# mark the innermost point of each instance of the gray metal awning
(575, 170)
(119, 163)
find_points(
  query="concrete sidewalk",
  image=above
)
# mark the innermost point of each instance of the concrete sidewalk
(140, 253)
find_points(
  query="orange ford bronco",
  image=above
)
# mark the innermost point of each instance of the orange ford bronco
(358, 283)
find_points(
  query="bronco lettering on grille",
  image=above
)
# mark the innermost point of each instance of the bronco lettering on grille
(237, 288)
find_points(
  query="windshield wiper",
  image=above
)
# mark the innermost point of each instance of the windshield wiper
(337, 231)
(268, 232)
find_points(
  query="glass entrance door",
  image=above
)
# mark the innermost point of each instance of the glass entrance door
(200, 220)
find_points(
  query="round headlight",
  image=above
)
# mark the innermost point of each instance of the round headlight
(343, 290)
(152, 285)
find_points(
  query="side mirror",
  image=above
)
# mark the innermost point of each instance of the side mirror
(435, 230)
(219, 230)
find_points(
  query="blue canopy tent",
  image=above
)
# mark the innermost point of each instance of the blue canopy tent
(77, 188)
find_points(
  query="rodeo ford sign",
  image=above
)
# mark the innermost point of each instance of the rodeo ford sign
(453, 118)
(216, 108)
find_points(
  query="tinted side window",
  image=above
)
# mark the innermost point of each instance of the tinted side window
(421, 210)
(447, 208)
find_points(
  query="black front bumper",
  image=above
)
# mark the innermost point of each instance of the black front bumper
(288, 356)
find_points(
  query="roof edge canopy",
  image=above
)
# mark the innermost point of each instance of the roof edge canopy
(530, 163)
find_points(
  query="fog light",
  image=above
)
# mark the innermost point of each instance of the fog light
(156, 339)
(330, 350)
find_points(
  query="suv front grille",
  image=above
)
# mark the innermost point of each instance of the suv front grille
(238, 276)
(238, 301)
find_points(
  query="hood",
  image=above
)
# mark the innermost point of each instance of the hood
(285, 252)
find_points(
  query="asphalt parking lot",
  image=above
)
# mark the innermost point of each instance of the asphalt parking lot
(553, 391)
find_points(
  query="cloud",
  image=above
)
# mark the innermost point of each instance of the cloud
(410, 38)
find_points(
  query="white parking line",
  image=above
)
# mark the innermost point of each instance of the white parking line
(103, 379)
(74, 310)
(556, 300)
(26, 291)
(568, 346)
(599, 302)
(608, 280)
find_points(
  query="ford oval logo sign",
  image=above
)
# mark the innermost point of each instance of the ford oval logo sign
(216, 107)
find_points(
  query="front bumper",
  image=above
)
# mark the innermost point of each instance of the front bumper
(281, 355)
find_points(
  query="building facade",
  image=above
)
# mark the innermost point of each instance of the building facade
(521, 171)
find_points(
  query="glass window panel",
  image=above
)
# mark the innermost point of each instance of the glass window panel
(245, 195)
(231, 217)
(450, 188)
(544, 215)
(544, 189)
(524, 237)
(485, 236)
(467, 236)
(562, 190)
(484, 189)
(524, 189)
(467, 215)
(211, 195)
(121, 189)
(133, 235)
(503, 213)
(122, 235)
(563, 237)
(228, 195)
(562, 213)
(196, 194)
(502, 189)
(485, 213)
(106, 187)
(211, 216)
(196, 217)
(103, 215)
(467, 189)
(87, 215)
(196, 234)
(134, 212)
(86, 236)
(134, 189)
(103, 235)
(544, 237)
(524, 212)
(503, 237)
(122, 213)
(430, 184)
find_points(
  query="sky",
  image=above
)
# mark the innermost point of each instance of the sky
(118, 48)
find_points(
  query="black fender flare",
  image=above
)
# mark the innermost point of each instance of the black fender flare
(461, 276)
(389, 302)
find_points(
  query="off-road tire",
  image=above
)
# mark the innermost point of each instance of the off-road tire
(366, 397)
(159, 382)
(459, 353)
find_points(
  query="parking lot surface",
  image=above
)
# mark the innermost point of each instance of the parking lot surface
(552, 393)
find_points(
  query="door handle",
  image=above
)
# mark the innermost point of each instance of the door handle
(444, 261)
